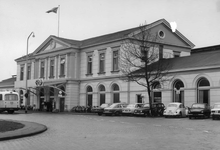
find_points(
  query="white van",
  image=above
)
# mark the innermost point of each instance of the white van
(9, 101)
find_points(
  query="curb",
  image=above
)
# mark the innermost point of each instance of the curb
(30, 129)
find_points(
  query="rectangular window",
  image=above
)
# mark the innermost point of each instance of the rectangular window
(101, 62)
(42, 67)
(89, 64)
(22, 73)
(29, 72)
(62, 67)
(52, 68)
(0, 97)
(115, 61)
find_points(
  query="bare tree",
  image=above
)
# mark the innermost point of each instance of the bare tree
(141, 59)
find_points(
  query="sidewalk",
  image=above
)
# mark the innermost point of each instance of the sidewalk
(29, 129)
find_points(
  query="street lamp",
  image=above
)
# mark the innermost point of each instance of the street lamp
(26, 94)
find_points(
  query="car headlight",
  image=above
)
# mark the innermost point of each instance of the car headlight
(202, 111)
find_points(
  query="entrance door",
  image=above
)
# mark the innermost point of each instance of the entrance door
(102, 99)
(62, 103)
(41, 104)
(139, 98)
(204, 96)
(89, 100)
(179, 97)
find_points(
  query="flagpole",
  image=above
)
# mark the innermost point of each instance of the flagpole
(58, 19)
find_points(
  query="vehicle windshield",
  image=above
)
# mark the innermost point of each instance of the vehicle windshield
(146, 105)
(113, 105)
(104, 105)
(198, 106)
(131, 106)
(172, 105)
(11, 97)
(217, 106)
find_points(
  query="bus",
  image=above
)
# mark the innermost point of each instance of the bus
(9, 101)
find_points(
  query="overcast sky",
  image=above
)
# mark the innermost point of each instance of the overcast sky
(198, 20)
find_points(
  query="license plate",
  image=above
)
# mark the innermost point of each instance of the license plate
(11, 103)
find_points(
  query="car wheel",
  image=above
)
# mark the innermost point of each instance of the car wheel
(99, 114)
(116, 113)
(213, 118)
(181, 115)
(190, 117)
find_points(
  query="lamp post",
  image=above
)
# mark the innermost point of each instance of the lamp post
(27, 94)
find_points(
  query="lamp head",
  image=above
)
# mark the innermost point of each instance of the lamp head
(33, 35)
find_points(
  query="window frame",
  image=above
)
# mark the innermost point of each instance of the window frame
(42, 69)
(115, 68)
(62, 67)
(21, 72)
(52, 66)
(89, 64)
(101, 63)
(28, 71)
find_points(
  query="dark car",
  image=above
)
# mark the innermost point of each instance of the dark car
(100, 109)
(199, 110)
(143, 111)
(157, 109)
(114, 109)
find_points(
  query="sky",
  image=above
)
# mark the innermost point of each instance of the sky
(197, 20)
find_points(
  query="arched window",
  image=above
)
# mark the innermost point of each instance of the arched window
(203, 90)
(115, 93)
(89, 96)
(89, 89)
(156, 92)
(178, 91)
(101, 88)
(101, 94)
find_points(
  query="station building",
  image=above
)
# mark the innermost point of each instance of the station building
(67, 72)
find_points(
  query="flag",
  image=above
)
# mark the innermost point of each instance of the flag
(54, 10)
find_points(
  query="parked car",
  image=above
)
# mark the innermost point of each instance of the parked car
(157, 109)
(175, 109)
(215, 111)
(199, 110)
(143, 111)
(114, 109)
(100, 109)
(129, 110)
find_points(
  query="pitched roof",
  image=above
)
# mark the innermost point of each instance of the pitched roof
(118, 35)
(195, 61)
(8, 82)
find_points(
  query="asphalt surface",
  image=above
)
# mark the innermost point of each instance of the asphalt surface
(82, 132)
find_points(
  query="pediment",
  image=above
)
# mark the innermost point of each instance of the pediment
(51, 44)
(163, 31)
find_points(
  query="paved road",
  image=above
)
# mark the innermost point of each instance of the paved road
(84, 132)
